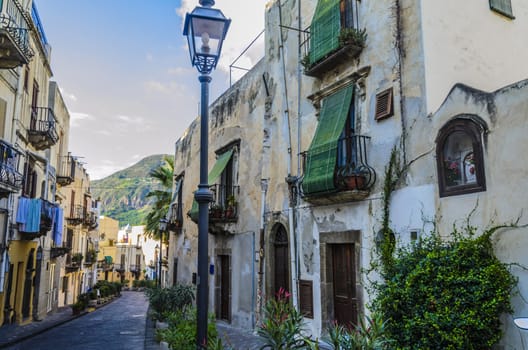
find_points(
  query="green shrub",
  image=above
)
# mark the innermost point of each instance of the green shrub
(282, 325)
(163, 300)
(369, 334)
(441, 294)
(181, 333)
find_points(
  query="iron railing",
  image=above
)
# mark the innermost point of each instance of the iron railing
(10, 175)
(66, 173)
(75, 215)
(42, 130)
(14, 24)
(224, 206)
(352, 171)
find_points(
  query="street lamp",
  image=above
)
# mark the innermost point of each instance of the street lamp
(162, 228)
(205, 29)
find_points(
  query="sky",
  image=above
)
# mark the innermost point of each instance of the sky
(124, 71)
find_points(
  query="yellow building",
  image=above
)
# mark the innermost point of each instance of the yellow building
(108, 230)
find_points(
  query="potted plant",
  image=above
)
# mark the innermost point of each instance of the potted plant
(216, 211)
(77, 258)
(353, 36)
(231, 207)
(352, 177)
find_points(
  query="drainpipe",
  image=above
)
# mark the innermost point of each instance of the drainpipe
(289, 178)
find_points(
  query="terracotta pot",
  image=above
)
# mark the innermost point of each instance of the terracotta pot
(354, 182)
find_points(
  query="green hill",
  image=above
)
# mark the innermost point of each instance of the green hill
(123, 194)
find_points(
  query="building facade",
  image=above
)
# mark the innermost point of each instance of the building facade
(299, 146)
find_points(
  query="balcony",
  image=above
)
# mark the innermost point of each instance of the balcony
(175, 217)
(66, 173)
(333, 38)
(119, 268)
(42, 133)
(352, 176)
(76, 215)
(55, 252)
(91, 257)
(14, 35)
(31, 230)
(223, 210)
(90, 220)
(73, 262)
(11, 178)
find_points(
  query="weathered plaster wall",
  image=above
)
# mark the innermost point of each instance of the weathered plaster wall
(504, 201)
(464, 41)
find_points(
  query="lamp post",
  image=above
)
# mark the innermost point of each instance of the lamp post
(205, 29)
(156, 256)
(162, 228)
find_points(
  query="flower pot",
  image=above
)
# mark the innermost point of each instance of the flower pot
(354, 182)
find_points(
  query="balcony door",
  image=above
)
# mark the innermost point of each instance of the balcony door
(345, 299)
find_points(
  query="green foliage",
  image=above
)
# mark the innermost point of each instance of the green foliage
(162, 197)
(353, 36)
(181, 333)
(282, 325)
(124, 194)
(164, 301)
(107, 289)
(370, 334)
(144, 283)
(387, 244)
(441, 294)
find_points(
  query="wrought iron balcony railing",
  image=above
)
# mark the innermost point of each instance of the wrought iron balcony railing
(224, 208)
(42, 130)
(90, 219)
(353, 176)
(175, 217)
(75, 216)
(14, 35)
(321, 53)
(11, 179)
(66, 173)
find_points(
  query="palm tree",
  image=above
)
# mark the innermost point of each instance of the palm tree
(162, 197)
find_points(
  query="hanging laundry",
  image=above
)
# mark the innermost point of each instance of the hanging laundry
(33, 217)
(57, 226)
(22, 212)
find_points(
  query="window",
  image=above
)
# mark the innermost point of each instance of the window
(331, 19)
(337, 158)
(175, 214)
(503, 7)
(26, 78)
(459, 157)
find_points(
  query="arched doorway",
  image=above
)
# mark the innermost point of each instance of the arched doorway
(281, 262)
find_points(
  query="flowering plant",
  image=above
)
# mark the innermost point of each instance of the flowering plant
(282, 325)
(452, 172)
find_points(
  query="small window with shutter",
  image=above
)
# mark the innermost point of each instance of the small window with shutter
(306, 298)
(503, 7)
(384, 105)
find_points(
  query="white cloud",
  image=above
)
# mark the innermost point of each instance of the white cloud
(149, 57)
(179, 71)
(77, 118)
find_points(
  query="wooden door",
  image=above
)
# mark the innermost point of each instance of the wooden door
(225, 287)
(344, 283)
(282, 272)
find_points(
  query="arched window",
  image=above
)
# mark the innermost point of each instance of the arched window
(459, 157)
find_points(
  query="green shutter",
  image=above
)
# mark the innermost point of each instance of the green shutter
(108, 259)
(215, 172)
(322, 155)
(325, 29)
(503, 7)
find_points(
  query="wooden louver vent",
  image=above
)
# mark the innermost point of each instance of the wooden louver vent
(306, 298)
(384, 105)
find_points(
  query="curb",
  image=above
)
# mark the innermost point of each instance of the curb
(47, 328)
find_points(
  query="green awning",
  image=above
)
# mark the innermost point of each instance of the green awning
(322, 155)
(325, 29)
(108, 259)
(214, 174)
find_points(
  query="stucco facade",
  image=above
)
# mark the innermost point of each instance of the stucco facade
(285, 233)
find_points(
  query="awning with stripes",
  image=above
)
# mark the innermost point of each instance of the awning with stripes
(322, 155)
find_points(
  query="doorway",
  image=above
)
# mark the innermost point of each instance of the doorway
(224, 288)
(343, 271)
(281, 262)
